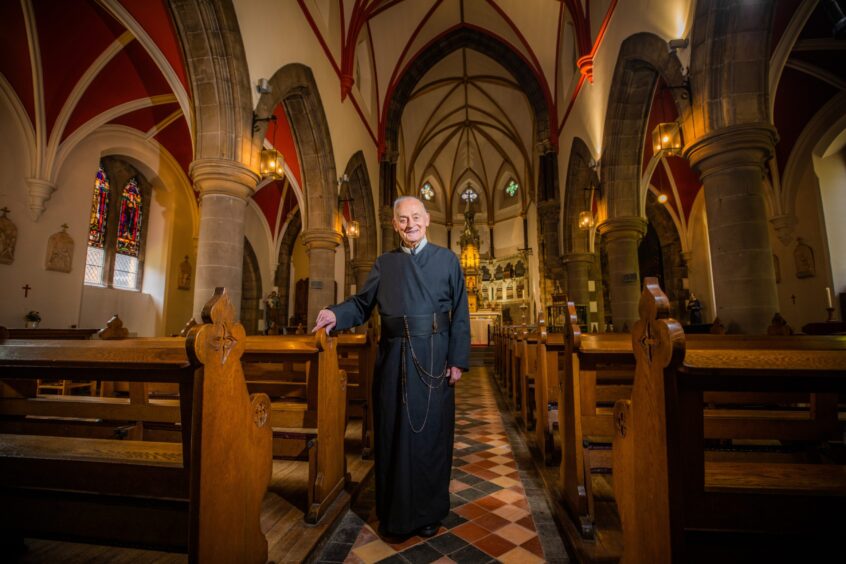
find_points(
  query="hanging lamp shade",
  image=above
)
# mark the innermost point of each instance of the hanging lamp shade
(353, 229)
(272, 164)
(585, 220)
(666, 139)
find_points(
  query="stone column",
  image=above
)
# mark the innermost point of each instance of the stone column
(578, 273)
(361, 268)
(731, 163)
(389, 241)
(549, 218)
(320, 247)
(224, 187)
(622, 236)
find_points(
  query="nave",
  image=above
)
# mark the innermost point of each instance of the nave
(499, 509)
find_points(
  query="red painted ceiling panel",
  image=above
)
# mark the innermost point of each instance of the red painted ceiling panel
(130, 75)
(156, 20)
(80, 26)
(289, 208)
(14, 64)
(268, 199)
(782, 14)
(177, 140)
(284, 142)
(799, 97)
(143, 120)
(687, 182)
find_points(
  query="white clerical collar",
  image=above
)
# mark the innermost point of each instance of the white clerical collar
(415, 250)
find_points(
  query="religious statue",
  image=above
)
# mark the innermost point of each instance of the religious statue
(59, 251)
(272, 306)
(8, 238)
(779, 326)
(803, 254)
(694, 310)
(184, 275)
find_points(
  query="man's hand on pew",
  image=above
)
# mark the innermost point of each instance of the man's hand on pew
(454, 375)
(325, 318)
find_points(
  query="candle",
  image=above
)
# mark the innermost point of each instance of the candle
(828, 298)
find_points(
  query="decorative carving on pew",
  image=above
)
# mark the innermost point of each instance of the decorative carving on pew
(620, 422)
(114, 330)
(260, 404)
(221, 333)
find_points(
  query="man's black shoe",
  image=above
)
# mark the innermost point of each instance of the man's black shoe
(429, 530)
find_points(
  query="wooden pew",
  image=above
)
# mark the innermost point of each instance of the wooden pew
(202, 496)
(528, 346)
(551, 351)
(357, 358)
(600, 371)
(314, 424)
(674, 500)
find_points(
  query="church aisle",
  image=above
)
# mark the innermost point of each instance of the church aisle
(498, 508)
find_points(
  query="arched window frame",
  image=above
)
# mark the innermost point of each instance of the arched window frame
(119, 173)
(427, 192)
(511, 187)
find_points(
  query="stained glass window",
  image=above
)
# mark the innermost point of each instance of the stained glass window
(512, 187)
(99, 210)
(129, 228)
(469, 195)
(426, 191)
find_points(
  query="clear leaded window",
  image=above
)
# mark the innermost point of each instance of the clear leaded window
(426, 191)
(512, 187)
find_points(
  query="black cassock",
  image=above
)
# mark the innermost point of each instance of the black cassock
(414, 415)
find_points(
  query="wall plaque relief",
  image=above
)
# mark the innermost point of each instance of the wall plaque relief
(60, 251)
(184, 274)
(803, 254)
(8, 238)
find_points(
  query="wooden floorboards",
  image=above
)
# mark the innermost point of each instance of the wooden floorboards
(289, 537)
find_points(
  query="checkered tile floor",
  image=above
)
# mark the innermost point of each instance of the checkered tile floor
(491, 519)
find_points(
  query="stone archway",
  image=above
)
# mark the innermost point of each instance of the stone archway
(294, 87)
(643, 58)
(359, 189)
(673, 267)
(539, 98)
(282, 279)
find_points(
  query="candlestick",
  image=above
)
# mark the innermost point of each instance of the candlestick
(828, 304)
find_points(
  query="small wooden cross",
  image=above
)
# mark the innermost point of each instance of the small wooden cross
(26, 290)
(5, 210)
(65, 226)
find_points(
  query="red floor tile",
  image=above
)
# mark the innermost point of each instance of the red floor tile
(494, 545)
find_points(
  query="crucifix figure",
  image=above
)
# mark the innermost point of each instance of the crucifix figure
(26, 290)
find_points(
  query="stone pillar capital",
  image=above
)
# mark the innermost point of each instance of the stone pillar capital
(723, 150)
(359, 265)
(577, 257)
(785, 226)
(223, 176)
(631, 227)
(40, 191)
(322, 239)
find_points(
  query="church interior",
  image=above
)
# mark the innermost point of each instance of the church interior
(643, 196)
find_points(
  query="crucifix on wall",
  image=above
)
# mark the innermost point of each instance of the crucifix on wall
(26, 290)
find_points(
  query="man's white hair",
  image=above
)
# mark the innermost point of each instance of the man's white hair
(404, 198)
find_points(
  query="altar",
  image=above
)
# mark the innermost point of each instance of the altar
(480, 324)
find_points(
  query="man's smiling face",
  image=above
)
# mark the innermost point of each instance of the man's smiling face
(411, 220)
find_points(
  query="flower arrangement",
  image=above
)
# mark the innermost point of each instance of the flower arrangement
(33, 316)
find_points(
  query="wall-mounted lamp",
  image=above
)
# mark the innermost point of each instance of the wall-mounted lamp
(345, 209)
(586, 216)
(666, 139)
(662, 198)
(272, 163)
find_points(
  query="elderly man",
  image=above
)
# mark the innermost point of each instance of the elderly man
(424, 347)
